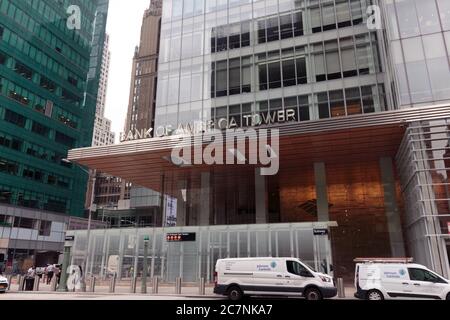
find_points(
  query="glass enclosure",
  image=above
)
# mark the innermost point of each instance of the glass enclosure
(121, 251)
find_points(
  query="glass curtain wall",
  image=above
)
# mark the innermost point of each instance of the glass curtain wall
(424, 166)
(419, 34)
(194, 260)
(244, 55)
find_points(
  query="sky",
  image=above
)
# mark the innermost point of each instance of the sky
(124, 28)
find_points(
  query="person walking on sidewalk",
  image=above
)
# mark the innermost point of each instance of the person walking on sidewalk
(50, 273)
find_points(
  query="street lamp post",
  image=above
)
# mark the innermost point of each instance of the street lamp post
(88, 235)
(145, 265)
(62, 287)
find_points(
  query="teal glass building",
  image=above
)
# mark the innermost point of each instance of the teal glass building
(45, 70)
(50, 59)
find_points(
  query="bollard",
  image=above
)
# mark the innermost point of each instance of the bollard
(133, 284)
(53, 284)
(178, 285)
(37, 280)
(9, 282)
(201, 289)
(155, 285)
(21, 282)
(92, 287)
(341, 288)
(112, 284)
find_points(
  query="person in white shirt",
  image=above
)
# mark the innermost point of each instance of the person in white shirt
(50, 273)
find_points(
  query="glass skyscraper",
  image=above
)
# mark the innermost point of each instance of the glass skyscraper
(47, 100)
(50, 58)
(363, 171)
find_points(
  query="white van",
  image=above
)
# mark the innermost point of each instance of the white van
(379, 279)
(236, 278)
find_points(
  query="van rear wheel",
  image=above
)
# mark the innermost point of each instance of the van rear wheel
(313, 294)
(235, 293)
(374, 295)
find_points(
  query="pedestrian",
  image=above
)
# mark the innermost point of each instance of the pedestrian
(50, 273)
(29, 279)
(57, 273)
(45, 275)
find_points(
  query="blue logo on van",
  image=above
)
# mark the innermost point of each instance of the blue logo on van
(402, 272)
(273, 265)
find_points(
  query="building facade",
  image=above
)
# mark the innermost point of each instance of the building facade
(49, 73)
(102, 127)
(362, 170)
(141, 107)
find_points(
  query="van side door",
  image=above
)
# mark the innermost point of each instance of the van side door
(297, 277)
(426, 284)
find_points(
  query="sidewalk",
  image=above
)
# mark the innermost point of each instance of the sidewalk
(124, 289)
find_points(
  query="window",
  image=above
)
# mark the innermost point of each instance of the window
(25, 223)
(40, 129)
(289, 73)
(302, 77)
(23, 70)
(235, 79)
(320, 67)
(427, 16)
(328, 18)
(245, 34)
(444, 11)
(324, 111)
(263, 85)
(333, 65)
(5, 196)
(407, 18)
(367, 97)
(349, 62)
(274, 75)
(353, 100)
(47, 84)
(9, 167)
(72, 81)
(262, 31)
(303, 105)
(221, 79)
(298, 24)
(286, 29)
(18, 97)
(337, 104)
(15, 118)
(416, 274)
(2, 59)
(357, 14)
(246, 77)
(272, 29)
(315, 20)
(343, 14)
(64, 139)
(293, 267)
(45, 228)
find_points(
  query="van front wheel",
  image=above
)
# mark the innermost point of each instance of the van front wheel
(374, 295)
(313, 294)
(235, 293)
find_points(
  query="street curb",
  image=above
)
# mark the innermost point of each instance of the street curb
(115, 294)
